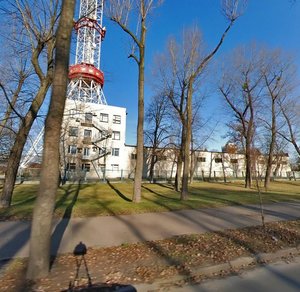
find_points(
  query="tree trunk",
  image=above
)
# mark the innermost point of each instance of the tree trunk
(152, 163)
(13, 164)
(223, 168)
(39, 256)
(192, 157)
(271, 147)
(248, 165)
(21, 137)
(140, 126)
(172, 168)
(210, 166)
(178, 174)
(187, 144)
(192, 168)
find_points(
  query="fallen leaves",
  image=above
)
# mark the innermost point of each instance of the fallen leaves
(149, 261)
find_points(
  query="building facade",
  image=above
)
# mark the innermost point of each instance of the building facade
(93, 140)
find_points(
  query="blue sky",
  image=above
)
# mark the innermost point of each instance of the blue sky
(274, 23)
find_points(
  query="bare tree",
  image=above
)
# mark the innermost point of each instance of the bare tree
(38, 26)
(232, 9)
(202, 131)
(187, 61)
(39, 256)
(241, 89)
(290, 112)
(173, 68)
(120, 12)
(12, 91)
(158, 129)
(277, 75)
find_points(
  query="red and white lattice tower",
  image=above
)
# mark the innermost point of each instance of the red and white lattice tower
(86, 78)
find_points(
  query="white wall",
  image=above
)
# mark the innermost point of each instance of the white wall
(99, 124)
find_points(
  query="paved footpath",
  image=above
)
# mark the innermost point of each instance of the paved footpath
(115, 230)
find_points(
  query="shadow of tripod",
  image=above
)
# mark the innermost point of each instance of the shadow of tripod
(79, 253)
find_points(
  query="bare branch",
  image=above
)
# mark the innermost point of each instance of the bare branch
(8, 101)
(232, 9)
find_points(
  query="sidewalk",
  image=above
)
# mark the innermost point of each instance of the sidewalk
(115, 230)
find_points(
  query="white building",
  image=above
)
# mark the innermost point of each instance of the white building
(93, 148)
(205, 164)
(93, 140)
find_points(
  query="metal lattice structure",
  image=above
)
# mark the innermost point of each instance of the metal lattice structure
(35, 150)
(86, 78)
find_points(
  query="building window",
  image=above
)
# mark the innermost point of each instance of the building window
(71, 166)
(233, 161)
(115, 151)
(72, 149)
(74, 113)
(73, 131)
(88, 117)
(218, 160)
(133, 156)
(115, 166)
(86, 151)
(104, 118)
(87, 133)
(115, 135)
(201, 159)
(162, 158)
(86, 167)
(116, 119)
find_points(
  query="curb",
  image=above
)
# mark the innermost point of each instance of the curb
(232, 266)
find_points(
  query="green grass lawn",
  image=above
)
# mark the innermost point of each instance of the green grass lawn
(87, 200)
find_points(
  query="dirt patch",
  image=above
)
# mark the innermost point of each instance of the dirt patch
(154, 260)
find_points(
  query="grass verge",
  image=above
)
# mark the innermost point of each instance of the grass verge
(86, 200)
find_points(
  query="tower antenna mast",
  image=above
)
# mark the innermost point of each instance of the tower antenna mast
(86, 78)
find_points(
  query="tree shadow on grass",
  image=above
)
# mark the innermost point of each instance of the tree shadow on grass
(167, 186)
(122, 196)
(66, 194)
(158, 194)
(183, 203)
(223, 200)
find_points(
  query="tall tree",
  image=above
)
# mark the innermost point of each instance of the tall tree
(119, 12)
(172, 71)
(232, 9)
(39, 257)
(241, 89)
(179, 72)
(277, 76)
(157, 133)
(38, 23)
